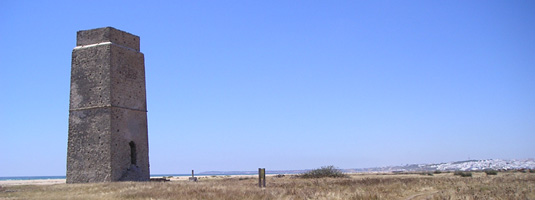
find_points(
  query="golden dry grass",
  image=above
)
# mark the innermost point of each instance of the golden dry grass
(358, 186)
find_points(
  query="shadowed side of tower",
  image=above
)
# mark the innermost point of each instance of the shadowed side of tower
(108, 139)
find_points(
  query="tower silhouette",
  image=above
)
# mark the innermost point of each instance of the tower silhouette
(108, 139)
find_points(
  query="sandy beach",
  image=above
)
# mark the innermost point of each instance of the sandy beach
(62, 181)
(32, 182)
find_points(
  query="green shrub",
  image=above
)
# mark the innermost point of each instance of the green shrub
(427, 173)
(491, 172)
(437, 172)
(466, 174)
(279, 175)
(463, 174)
(327, 171)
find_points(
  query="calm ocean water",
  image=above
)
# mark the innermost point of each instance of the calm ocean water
(30, 177)
(152, 175)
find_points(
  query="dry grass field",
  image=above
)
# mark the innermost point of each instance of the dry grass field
(509, 185)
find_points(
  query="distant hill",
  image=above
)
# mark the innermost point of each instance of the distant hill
(467, 165)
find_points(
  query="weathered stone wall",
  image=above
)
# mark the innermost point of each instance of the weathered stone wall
(108, 138)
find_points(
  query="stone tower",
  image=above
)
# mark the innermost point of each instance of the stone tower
(108, 139)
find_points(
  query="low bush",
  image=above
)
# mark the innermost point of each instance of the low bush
(327, 171)
(463, 174)
(279, 175)
(427, 173)
(491, 172)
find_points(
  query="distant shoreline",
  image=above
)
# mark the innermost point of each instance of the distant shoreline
(32, 182)
(24, 178)
(467, 165)
(37, 180)
(27, 178)
(51, 181)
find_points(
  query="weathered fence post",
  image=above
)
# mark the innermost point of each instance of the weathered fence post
(261, 177)
(193, 178)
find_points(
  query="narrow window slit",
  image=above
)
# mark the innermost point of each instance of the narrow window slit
(133, 156)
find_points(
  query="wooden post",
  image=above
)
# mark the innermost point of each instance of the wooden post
(264, 176)
(261, 177)
(193, 178)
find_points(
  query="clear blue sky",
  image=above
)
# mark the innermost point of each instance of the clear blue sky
(237, 85)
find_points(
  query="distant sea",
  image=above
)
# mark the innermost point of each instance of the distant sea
(30, 178)
(63, 177)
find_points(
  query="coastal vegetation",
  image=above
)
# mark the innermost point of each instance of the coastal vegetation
(463, 174)
(491, 172)
(324, 172)
(445, 185)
